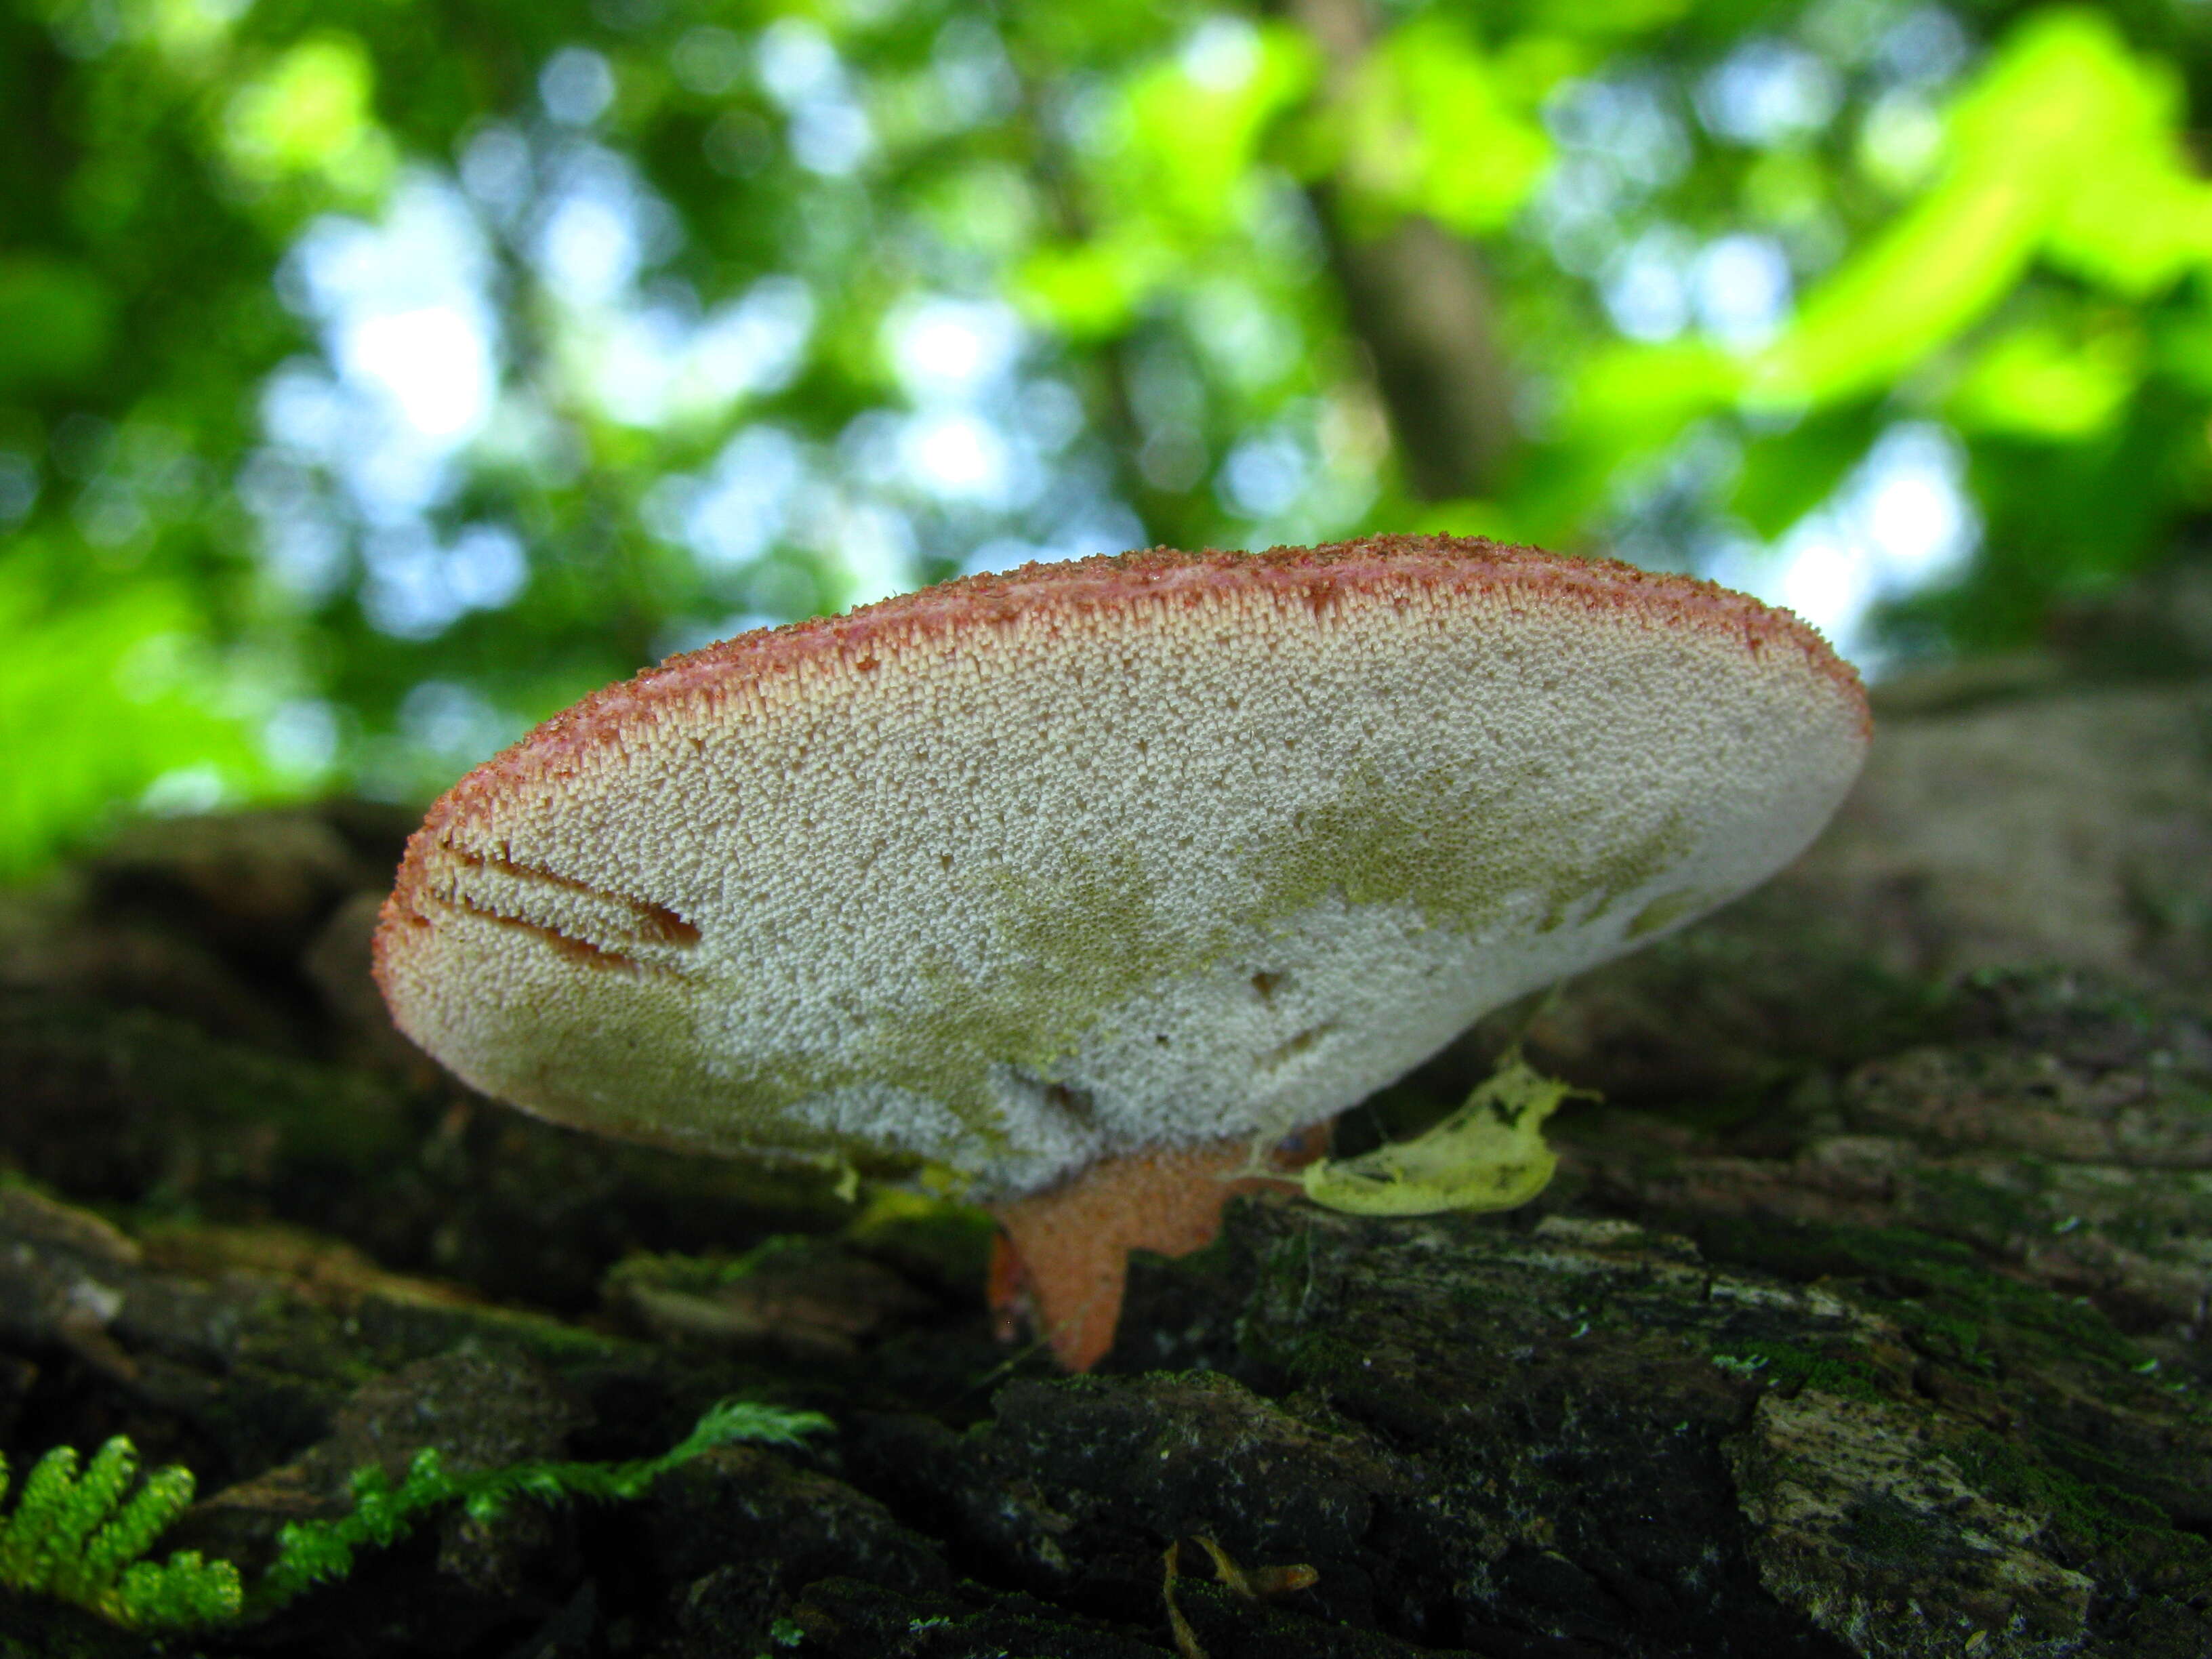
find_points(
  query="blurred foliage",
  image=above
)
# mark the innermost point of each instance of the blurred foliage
(374, 378)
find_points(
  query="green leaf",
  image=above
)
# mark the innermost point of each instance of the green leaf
(1934, 272)
(1428, 129)
(2041, 381)
(2133, 214)
(1184, 145)
(1488, 1155)
(311, 112)
(1628, 398)
(2066, 144)
(1089, 290)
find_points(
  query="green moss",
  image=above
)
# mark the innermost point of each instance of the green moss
(82, 1538)
(1317, 1357)
(1933, 1285)
(301, 1120)
(1887, 1529)
(2103, 1516)
(1784, 1364)
(1942, 1335)
(1285, 1271)
(315, 1552)
(702, 1275)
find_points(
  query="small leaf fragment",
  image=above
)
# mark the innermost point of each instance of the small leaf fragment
(1488, 1155)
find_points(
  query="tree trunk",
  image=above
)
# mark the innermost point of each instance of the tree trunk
(1416, 299)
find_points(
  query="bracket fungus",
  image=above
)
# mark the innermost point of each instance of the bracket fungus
(1079, 880)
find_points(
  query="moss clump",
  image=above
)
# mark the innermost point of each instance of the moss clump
(79, 1538)
(313, 1551)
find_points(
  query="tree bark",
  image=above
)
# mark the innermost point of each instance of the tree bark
(1867, 1314)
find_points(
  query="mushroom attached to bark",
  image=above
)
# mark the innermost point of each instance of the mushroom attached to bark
(1081, 879)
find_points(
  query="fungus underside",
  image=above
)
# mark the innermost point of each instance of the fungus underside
(1095, 932)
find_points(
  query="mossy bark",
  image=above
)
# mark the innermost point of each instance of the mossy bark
(1867, 1316)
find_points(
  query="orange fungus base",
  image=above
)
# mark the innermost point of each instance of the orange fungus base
(1064, 1254)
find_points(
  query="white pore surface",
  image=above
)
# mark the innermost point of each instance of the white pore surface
(1101, 868)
